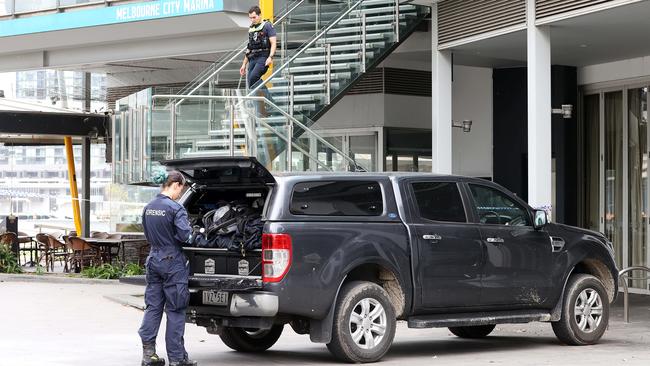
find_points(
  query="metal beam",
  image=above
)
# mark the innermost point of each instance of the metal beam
(59, 124)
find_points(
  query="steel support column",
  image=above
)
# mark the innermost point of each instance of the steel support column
(441, 103)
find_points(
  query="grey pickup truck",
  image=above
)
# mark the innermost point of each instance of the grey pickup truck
(343, 257)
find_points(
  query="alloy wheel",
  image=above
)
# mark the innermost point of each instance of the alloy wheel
(368, 322)
(588, 310)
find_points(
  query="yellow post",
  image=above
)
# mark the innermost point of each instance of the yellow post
(72, 175)
(267, 13)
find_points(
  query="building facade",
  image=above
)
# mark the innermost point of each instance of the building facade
(557, 93)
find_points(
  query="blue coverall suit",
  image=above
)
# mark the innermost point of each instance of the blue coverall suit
(166, 227)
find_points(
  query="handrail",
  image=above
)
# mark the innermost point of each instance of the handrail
(225, 63)
(304, 47)
(624, 274)
(264, 99)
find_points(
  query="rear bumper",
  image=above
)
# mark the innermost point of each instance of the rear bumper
(256, 304)
(245, 309)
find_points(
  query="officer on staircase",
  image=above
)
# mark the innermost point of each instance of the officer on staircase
(262, 43)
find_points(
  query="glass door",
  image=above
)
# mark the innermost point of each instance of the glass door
(616, 192)
(613, 178)
(637, 245)
(591, 150)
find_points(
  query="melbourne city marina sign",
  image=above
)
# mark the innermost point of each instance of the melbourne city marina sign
(108, 15)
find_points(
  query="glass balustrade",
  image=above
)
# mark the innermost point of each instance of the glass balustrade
(324, 47)
(149, 128)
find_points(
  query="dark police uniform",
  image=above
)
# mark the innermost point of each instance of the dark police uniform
(259, 49)
(166, 227)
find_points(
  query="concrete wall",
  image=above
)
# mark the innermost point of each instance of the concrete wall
(472, 99)
(614, 71)
(364, 110)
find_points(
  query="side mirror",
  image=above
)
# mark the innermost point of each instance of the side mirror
(541, 219)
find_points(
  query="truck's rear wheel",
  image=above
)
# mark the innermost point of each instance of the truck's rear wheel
(585, 311)
(476, 331)
(364, 323)
(251, 340)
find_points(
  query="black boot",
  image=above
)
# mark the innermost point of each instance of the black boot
(185, 362)
(149, 356)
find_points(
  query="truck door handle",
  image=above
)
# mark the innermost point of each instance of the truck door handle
(433, 237)
(495, 240)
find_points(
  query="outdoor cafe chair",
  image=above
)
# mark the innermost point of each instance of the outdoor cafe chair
(53, 250)
(82, 253)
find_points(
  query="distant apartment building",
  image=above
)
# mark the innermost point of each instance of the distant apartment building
(34, 181)
(65, 89)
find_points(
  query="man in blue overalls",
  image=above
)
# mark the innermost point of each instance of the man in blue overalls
(167, 227)
(262, 43)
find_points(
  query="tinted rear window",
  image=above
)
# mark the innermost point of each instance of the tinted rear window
(351, 198)
(439, 201)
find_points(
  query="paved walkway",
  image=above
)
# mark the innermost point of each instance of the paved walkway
(64, 324)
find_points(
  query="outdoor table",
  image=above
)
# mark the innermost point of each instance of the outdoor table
(111, 243)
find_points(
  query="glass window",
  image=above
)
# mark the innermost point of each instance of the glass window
(343, 198)
(33, 5)
(78, 2)
(364, 151)
(439, 201)
(5, 7)
(494, 207)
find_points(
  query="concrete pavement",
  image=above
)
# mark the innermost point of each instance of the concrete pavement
(75, 324)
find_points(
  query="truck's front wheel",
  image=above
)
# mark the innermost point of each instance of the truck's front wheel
(364, 323)
(251, 340)
(585, 311)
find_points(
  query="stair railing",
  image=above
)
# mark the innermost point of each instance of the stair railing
(241, 49)
(293, 122)
(310, 43)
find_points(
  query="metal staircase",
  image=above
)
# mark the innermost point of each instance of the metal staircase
(324, 48)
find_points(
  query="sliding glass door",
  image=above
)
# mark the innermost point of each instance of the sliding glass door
(637, 121)
(614, 171)
(615, 191)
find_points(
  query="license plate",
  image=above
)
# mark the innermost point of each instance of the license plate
(215, 298)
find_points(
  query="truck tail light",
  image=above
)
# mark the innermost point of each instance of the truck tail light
(276, 256)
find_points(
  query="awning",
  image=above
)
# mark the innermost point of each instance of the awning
(27, 123)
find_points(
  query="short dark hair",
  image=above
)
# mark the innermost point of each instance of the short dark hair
(255, 9)
(174, 177)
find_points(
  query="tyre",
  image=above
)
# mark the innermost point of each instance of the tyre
(476, 331)
(251, 340)
(585, 311)
(364, 323)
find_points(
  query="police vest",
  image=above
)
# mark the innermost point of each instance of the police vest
(258, 40)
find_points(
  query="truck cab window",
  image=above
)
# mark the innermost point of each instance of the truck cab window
(439, 201)
(495, 207)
